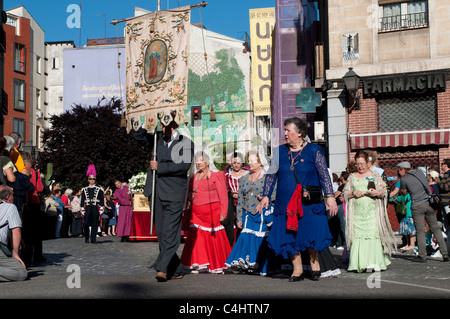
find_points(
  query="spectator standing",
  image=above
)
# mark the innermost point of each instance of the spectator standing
(123, 197)
(33, 216)
(113, 216)
(444, 192)
(416, 184)
(67, 215)
(12, 268)
(75, 208)
(8, 166)
(59, 217)
(14, 153)
(340, 242)
(51, 213)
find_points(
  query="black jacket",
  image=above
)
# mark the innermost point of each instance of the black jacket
(174, 163)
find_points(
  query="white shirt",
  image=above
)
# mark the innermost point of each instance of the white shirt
(10, 214)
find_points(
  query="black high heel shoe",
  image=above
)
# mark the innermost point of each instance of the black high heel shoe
(315, 275)
(297, 278)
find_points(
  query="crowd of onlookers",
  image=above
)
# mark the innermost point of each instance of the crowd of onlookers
(31, 211)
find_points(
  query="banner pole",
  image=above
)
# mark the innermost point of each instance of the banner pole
(153, 183)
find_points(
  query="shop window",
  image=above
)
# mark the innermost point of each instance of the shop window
(404, 15)
(407, 113)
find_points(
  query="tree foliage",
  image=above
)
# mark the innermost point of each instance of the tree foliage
(91, 135)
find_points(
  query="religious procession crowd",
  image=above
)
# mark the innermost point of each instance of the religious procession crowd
(254, 220)
(249, 218)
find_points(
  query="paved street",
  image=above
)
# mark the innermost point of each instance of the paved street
(115, 270)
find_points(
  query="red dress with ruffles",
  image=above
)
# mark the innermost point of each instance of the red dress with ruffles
(207, 246)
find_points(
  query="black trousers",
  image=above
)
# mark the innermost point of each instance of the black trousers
(32, 233)
(91, 219)
(66, 223)
(168, 215)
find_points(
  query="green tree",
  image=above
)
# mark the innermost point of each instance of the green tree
(91, 135)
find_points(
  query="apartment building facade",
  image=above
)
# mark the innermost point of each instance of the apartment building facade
(400, 50)
(25, 77)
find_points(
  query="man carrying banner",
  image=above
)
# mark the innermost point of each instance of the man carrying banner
(174, 155)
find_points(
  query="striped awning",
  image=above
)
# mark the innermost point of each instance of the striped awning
(437, 136)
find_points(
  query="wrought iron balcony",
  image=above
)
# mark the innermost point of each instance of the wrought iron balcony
(404, 21)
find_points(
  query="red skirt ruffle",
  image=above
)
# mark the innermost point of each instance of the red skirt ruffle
(207, 246)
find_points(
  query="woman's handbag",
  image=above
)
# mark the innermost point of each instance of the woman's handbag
(50, 210)
(186, 219)
(400, 209)
(6, 248)
(434, 200)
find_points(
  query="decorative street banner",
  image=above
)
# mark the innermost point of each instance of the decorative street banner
(157, 50)
(262, 24)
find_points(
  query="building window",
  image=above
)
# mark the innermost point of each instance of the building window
(13, 21)
(38, 64)
(404, 15)
(19, 126)
(55, 63)
(19, 95)
(38, 99)
(19, 58)
(408, 113)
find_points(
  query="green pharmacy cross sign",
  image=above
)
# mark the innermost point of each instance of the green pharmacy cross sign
(308, 100)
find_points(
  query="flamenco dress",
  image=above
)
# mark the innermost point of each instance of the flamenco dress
(207, 247)
(313, 230)
(250, 252)
(366, 251)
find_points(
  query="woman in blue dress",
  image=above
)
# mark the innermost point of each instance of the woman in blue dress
(313, 236)
(250, 252)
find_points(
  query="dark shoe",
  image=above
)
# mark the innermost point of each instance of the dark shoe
(419, 259)
(297, 278)
(445, 257)
(315, 275)
(161, 277)
(40, 259)
(86, 241)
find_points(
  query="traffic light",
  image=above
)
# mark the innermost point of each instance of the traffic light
(196, 115)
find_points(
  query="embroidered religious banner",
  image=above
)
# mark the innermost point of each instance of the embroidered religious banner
(157, 50)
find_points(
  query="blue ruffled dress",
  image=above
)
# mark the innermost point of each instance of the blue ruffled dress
(313, 230)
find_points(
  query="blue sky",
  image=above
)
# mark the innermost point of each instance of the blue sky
(228, 17)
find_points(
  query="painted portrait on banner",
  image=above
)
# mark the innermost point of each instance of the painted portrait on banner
(155, 64)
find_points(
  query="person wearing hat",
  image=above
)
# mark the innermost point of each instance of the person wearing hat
(92, 205)
(402, 169)
(416, 184)
(174, 154)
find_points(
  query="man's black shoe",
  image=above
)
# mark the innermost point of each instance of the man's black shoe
(419, 259)
(445, 257)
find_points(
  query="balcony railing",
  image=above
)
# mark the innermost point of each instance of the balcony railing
(404, 21)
